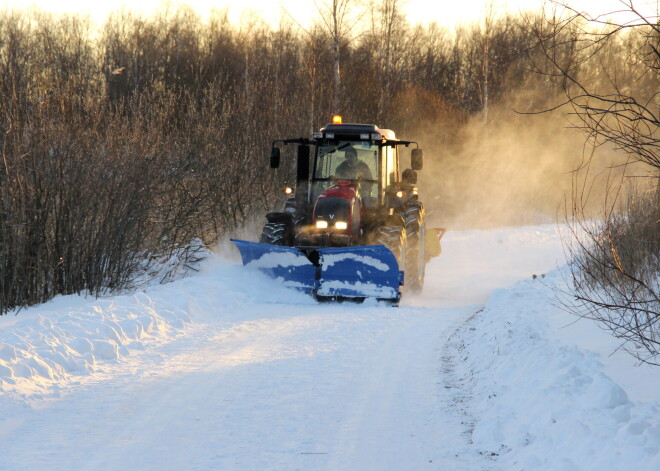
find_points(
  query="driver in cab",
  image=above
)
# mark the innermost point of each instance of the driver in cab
(352, 168)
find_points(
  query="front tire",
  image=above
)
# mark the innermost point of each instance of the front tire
(275, 233)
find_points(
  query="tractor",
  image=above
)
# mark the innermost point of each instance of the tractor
(353, 226)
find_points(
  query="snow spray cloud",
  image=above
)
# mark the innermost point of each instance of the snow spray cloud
(513, 169)
(249, 230)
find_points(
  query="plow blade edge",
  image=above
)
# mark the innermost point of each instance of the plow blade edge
(336, 272)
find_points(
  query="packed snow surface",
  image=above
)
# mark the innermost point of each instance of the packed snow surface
(228, 370)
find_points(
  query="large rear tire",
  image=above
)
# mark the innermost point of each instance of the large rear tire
(276, 233)
(415, 267)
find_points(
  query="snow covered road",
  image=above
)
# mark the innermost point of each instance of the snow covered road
(228, 371)
(336, 388)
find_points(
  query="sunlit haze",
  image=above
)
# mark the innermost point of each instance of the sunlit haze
(303, 11)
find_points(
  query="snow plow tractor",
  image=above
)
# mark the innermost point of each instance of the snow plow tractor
(353, 227)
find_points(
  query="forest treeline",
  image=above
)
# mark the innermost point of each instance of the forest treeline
(122, 143)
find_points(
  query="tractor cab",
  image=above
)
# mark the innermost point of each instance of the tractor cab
(348, 180)
(357, 153)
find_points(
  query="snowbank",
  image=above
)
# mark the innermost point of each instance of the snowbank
(44, 347)
(54, 343)
(539, 403)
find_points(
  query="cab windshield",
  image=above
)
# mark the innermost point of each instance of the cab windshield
(346, 160)
(350, 160)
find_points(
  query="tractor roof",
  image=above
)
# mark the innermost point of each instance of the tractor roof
(350, 129)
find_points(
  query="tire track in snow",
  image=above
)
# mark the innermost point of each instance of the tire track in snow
(460, 392)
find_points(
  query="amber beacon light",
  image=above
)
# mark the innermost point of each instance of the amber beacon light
(336, 119)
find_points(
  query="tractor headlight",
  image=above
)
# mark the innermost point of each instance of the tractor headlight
(341, 225)
(321, 224)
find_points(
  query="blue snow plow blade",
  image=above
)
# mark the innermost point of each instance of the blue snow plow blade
(286, 263)
(329, 273)
(368, 271)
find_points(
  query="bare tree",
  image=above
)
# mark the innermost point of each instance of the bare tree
(388, 32)
(340, 21)
(610, 82)
(625, 114)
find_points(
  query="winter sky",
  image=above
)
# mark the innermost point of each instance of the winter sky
(445, 12)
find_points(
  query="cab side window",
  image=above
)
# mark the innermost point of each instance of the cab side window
(390, 169)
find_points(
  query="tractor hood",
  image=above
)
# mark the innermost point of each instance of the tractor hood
(337, 205)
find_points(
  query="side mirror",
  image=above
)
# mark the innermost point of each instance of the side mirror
(409, 176)
(417, 159)
(275, 157)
